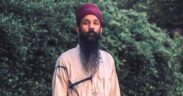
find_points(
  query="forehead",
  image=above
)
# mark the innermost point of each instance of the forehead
(90, 18)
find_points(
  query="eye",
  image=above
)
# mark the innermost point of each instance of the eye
(84, 22)
(96, 22)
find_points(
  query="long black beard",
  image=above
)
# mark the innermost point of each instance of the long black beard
(89, 50)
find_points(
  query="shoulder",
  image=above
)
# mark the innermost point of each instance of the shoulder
(107, 58)
(68, 53)
(106, 54)
(65, 57)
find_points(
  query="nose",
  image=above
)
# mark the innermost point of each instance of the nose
(91, 26)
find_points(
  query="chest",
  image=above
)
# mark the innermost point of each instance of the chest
(87, 85)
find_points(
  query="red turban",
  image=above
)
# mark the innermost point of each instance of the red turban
(87, 9)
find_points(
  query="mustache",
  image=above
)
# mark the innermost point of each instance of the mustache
(90, 35)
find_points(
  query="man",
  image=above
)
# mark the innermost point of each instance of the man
(86, 70)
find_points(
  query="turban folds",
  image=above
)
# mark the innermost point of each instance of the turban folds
(88, 9)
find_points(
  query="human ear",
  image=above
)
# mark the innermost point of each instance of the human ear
(101, 30)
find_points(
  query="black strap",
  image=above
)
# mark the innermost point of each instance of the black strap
(61, 67)
(83, 80)
(76, 83)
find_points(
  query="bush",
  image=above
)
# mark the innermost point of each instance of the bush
(148, 59)
(34, 33)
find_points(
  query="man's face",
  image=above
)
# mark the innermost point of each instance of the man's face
(90, 22)
(89, 36)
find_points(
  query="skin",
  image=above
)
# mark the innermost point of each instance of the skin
(89, 21)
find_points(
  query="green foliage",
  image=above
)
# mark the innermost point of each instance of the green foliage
(165, 13)
(35, 32)
(148, 57)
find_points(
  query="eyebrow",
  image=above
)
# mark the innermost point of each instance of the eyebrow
(89, 20)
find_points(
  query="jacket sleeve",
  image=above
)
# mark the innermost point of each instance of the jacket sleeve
(60, 79)
(115, 90)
